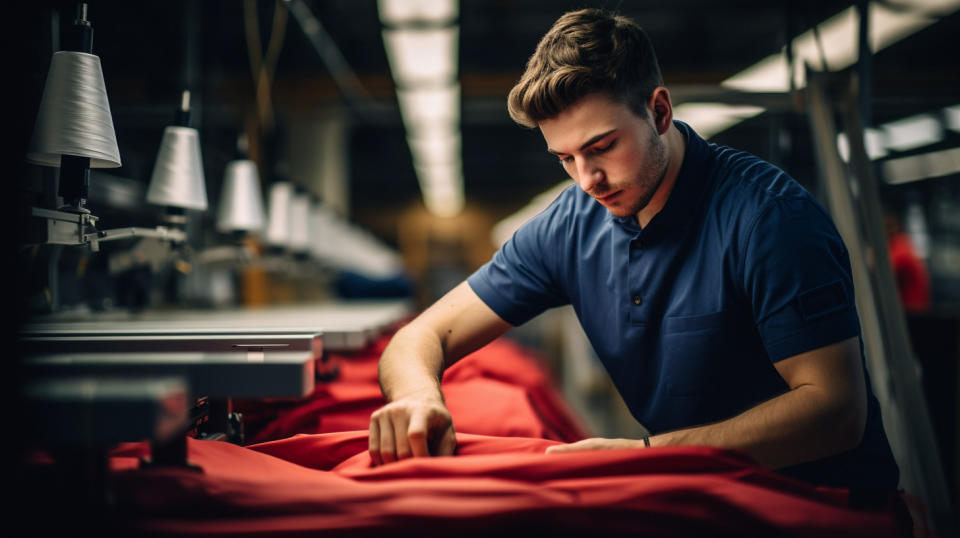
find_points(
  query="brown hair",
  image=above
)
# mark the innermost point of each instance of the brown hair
(586, 51)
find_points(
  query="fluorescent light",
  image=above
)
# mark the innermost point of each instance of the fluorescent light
(951, 117)
(438, 148)
(429, 108)
(440, 177)
(399, 12)
(913, 132)
(442, 187)
(422, 56)
(873, 140)
(444, 207)
(707, 119)
(838, 36)
(423, 60)
(843, 146)
(917, 167)
(448, 204)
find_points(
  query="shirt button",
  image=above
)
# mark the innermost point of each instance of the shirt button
(637, 300)
(637, 243)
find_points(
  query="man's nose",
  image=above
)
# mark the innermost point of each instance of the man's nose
(588, 174)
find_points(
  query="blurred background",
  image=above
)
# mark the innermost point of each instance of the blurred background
(388, 122)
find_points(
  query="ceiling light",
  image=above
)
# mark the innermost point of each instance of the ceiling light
(440, 177)
(430, 108)
(442, 187)
(422, 56)
(913, 132)
(707, 119)
(838, 37)
(951, 117)
(873, 139)
(437, 148)
(450, 206)
(917, 167)
(399, 12)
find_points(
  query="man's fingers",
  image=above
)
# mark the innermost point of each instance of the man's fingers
(400, 426)
(569, 447)
(448, 443)
(387, 445)
(410, 428)
(374, 440)
(417, 435)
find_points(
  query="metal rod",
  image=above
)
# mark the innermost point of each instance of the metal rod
(906, 379)
(865, 65)
(354, 93)
(890, 362)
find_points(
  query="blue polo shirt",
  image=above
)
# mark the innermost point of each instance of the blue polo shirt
(740, 269)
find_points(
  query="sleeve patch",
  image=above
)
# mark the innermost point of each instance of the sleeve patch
(822, 300)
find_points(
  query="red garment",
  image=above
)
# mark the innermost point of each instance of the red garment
(910, 273)
(324, 483)
(518, 399)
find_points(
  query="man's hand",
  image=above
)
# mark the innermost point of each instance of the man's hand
(412, 426)
(597, 443)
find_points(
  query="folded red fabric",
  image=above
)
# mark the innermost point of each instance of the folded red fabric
(325, 483)
(519, 399)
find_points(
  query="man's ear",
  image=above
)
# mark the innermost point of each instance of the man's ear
(662, 109)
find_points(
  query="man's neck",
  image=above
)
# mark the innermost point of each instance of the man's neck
(676, 148)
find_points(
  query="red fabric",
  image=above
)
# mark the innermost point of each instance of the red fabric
(506, 361)
(501, 389)
(910, 272)
(274, 418)
(314, 483)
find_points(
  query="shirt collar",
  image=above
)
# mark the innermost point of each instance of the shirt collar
(687, 191)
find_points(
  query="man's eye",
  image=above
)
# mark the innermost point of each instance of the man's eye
(604, 149)
(566, 160)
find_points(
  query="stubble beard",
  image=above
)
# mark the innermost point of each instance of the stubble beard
(650, 179)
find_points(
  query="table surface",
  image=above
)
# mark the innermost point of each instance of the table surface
(249, 374)
(67, 340)
(342, 325)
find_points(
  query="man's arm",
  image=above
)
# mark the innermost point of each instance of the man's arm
(416, 422)
(824, 413)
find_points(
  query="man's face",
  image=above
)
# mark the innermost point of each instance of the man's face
(613, 155)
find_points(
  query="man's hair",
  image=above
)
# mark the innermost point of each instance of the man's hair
(586, 51)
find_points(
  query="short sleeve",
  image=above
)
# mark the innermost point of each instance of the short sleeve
(797, 278)
(521, 280)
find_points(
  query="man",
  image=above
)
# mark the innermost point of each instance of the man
(715, 290)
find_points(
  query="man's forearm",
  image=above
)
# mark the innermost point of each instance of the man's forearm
(412, 364)
(801, 425)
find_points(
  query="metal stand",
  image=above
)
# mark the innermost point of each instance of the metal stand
(222, 423)
(895, 374)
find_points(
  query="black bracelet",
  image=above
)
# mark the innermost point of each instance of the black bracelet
(646, 440)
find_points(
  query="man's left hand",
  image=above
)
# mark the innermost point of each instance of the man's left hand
(597, 443)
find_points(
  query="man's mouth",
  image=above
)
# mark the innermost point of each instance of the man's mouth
(608, 197)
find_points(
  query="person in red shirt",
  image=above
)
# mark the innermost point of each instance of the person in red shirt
(909, 269)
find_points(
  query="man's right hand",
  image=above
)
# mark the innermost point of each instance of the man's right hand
(411, 427)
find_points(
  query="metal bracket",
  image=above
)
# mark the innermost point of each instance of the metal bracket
(62, 227)
(68, 228)
(160, 232)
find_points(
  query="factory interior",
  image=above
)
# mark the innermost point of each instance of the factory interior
(224, 211)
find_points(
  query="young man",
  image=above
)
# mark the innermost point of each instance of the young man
(715, 290)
